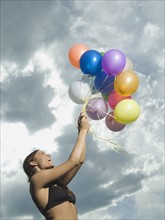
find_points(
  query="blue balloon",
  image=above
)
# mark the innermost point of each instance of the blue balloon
(104, 83)
(90, 62)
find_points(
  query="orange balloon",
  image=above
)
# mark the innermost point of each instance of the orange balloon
(126, 83)
(75, 54)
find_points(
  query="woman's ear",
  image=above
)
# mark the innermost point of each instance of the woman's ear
(33, 163)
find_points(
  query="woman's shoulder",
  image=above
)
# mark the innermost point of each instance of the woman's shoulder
(39, 177)
(34, 180)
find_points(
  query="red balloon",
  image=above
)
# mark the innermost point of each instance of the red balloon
(114, 98)
(112, 124)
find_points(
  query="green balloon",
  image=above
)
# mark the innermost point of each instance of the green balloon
(102, 53)
(105, 97)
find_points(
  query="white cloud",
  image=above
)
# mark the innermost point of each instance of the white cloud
(152, 198)
(7, 68)
(151, 30)
(144, 164)
(152, 33)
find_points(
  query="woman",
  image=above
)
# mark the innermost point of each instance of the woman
(48, 183)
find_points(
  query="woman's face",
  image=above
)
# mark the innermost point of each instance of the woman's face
(43, 160)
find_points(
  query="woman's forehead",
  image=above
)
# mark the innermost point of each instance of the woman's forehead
(39, 152)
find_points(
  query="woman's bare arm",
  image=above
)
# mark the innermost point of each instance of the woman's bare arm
(76, 158)
(69, 176)
(83, 127)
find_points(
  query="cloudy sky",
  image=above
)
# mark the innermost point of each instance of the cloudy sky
(37, 112)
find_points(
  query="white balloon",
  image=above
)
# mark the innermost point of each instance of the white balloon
(128, 65)
(79, 91)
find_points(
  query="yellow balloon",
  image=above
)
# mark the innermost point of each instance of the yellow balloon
(126, 111)
(126, 83)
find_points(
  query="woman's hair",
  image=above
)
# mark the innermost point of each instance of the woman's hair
(26, 164)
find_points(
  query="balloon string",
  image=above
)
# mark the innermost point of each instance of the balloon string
(90, 81)
(116, 147)
(88, 94)
(106, 87)
(103, 82)
(84, 108)
(99, 89)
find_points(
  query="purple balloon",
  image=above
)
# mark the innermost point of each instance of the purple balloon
(97, 108)
(112, 124)
(113, 61)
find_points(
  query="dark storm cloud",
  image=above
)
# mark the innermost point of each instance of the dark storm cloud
(17, 201)
(25, 99)
(21, 29)
(29, 25)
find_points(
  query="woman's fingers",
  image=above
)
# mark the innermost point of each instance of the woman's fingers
(82, 114)
(82, 120)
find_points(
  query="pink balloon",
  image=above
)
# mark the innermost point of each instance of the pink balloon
(97, 108)
(114, 98)
(112, 124)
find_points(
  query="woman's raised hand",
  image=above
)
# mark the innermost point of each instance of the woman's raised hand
(83, 123)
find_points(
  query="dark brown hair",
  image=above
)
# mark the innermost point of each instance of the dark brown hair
(26, 164)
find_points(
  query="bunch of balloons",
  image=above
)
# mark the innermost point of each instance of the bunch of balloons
(111, 75)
